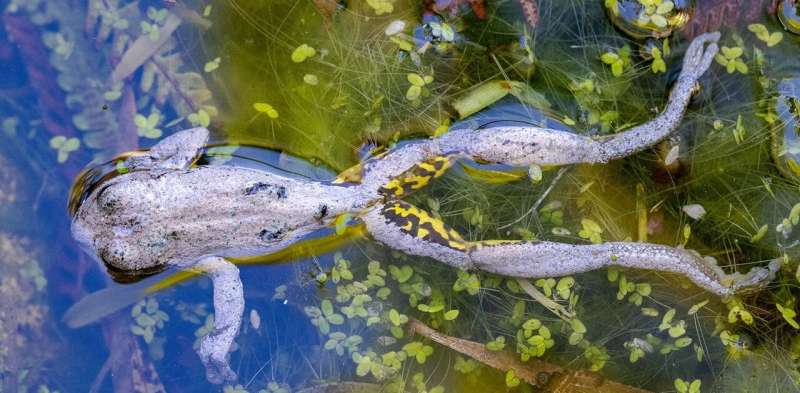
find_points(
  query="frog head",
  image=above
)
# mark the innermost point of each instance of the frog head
(108, 208)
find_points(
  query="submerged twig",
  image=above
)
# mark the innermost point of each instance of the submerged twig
(143, 49)
(131, 371)
(175, 85)
(343, 387)
(548, 376)
(541, 199)
(548, 303)
(101, 375)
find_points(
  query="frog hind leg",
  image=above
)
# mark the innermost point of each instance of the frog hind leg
(228, 310)
(407, 228)
(416, 177)
(175, 152)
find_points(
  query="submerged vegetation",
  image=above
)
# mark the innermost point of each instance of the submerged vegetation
(333, 82)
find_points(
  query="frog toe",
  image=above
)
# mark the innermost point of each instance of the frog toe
(218, 370)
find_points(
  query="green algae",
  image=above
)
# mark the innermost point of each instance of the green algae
(319, 83)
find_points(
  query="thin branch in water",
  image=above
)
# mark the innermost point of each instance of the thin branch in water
(548, 376)
(175, 85)
(548, 303)
(541, 199)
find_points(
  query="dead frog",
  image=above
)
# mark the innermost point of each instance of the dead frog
(165, 212)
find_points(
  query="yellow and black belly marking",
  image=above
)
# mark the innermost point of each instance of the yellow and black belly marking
(350, 175)
(416, 177)
(356, 172)
(419, 224)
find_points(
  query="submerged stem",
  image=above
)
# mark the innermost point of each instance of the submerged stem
(548, 376)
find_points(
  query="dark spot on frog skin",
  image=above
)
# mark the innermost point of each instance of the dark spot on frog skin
(107, 201)
(278, 191)
(267, 235)
(323, 211)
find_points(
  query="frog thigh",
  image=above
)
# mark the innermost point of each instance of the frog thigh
(176, 151)
(407, 228)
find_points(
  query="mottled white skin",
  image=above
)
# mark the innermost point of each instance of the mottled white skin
(164, 213)
(228, 296)
(525, 259)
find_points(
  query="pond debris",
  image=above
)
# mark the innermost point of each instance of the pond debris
(554, 307)
(452, 7)
(343, 387)
(548, 376)
(785, 140)
(711, 15)
(486, 94)
(83, 48)
(395, 27)
(530, 9)
(143, 49)
(649, 18)
(789, 14)
(24, 315)
(130, 370)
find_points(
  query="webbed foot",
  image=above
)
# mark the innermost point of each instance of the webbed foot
(757, 277)
(698, 56)
(214, 355)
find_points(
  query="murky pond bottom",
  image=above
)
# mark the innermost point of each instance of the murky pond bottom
(308, 90)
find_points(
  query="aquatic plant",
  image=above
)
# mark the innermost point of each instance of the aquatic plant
(105, 109)
(337, 76)
(24, 315)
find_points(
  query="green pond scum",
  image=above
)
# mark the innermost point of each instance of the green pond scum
(310, 89)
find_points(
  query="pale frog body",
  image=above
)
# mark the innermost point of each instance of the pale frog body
(166, 212)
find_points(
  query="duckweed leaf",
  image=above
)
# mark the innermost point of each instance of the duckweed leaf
(303, 52)
(200, 118)
(266, 108)
(311, 79)
(577, 326)
(497, 344)
(451, 315)
(511, 379)
(683, 342)
(788, 314)
(401, 274)
(762, 231)
(731, 53)
(415, 80)
(413, 92)
(212, 65)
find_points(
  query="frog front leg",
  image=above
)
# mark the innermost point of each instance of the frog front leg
(174, 152)
(228, 309)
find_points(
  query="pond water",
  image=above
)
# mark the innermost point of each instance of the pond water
(307, 89)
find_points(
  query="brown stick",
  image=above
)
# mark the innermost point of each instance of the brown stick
(548, 376)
